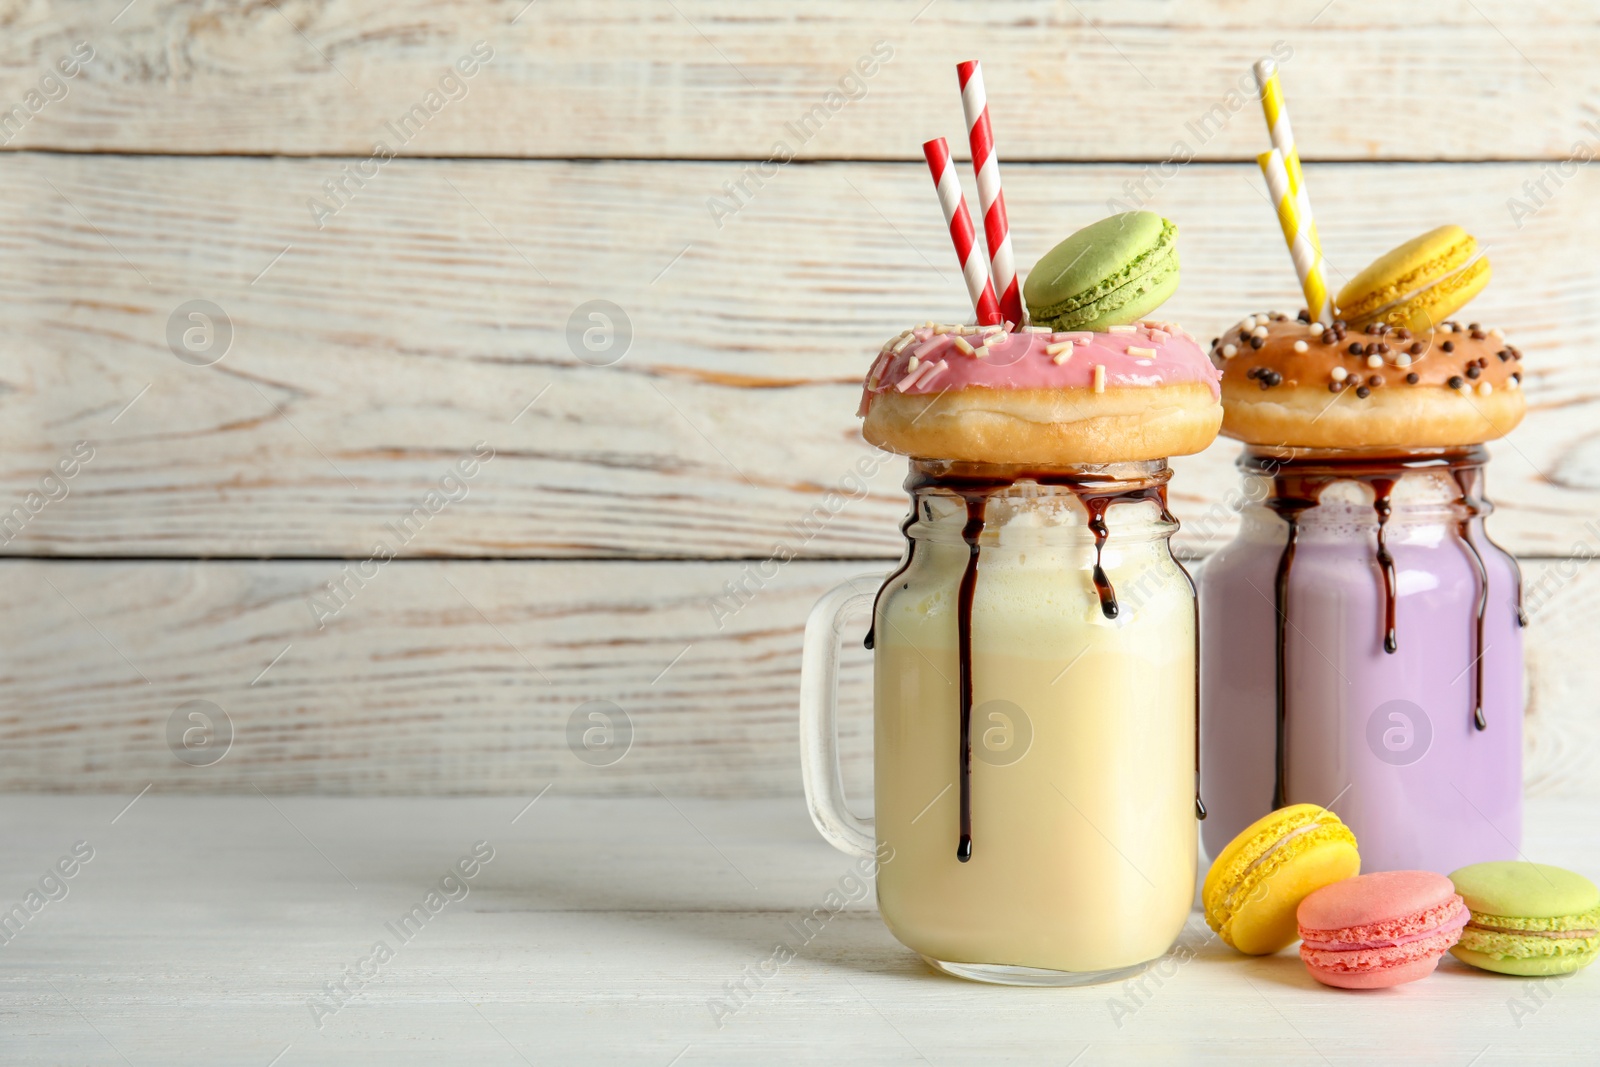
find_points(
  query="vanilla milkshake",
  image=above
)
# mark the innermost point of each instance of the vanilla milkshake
(1081, 827)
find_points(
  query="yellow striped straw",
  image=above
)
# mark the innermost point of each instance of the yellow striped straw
(1282, 134)
(1302, 249)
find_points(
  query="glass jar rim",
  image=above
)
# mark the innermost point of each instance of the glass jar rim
(1096, 478)
(1382, 459)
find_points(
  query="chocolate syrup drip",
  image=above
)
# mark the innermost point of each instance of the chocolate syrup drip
(1097, 525)
(905, 565)
(1467, 482)
(975, 488)
(1288, 508)
(1298, 486)
(970, 532)
(1467, 479)
(1381, 488)
(1465, 530)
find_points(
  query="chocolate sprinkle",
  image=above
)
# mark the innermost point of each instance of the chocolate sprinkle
(1455, 382)
(1449, 346)
(1363, 392)
(1355, 348)
(1412, 379)
(1473, 371)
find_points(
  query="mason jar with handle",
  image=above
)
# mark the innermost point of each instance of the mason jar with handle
(1035, 723)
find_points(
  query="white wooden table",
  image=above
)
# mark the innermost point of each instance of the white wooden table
(600, 932)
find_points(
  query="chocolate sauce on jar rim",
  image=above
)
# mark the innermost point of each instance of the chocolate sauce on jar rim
(1299, 478)
(975, 484)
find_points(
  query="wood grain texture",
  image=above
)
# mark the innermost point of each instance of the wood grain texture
(725, 78)
(464, 677)
(432, 310)
(603, 931)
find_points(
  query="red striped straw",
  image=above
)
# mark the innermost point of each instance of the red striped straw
(996, 229)
(962, 235)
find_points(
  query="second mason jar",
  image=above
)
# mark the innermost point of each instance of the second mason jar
(1363, 651)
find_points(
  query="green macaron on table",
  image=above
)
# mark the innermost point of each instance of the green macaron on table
(1528, 918)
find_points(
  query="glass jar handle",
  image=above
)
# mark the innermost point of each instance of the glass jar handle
(819, 726)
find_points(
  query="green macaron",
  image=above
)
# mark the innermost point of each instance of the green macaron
(1113, 272)
(1527, 918)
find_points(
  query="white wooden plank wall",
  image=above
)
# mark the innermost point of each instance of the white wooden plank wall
(379, 336)
(1091, 79)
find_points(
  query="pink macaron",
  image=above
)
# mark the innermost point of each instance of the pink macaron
(1381, 929)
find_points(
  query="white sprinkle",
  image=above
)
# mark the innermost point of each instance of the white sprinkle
(1147, 353)
(1374, 361)
(1512, 383)
(1099, 377)
(1403, 360)
(981, 352)
(1339, 374)
(963, 346)
(1445, 327)
(1484, 388)
(1061, 357)
(1259, 331)
(1315, 328)
(1058, 348)
(913, 363)
(1037, 329)
(900, 345)
(1229, 351)
(1301, 346)
(1249, 323)
(1498, 334)
(1008, 326)
(941, 328)
(1122, 329)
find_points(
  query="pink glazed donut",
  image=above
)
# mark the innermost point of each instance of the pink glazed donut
(985, 395)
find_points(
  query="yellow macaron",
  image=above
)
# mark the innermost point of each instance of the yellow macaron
(1254, 887)
(1418, 285)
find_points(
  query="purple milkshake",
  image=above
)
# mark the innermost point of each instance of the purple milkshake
(1361, 639)
(1389, 740)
